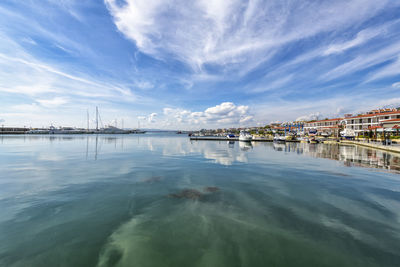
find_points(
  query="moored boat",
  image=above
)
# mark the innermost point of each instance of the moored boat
(245, 136)
(279, 138)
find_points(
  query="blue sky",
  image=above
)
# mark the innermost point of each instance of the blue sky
(194, 64)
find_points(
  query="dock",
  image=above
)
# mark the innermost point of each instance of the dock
(13, 130)
(223, 138)
(395, 148)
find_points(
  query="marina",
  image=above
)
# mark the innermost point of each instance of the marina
(250, 202)
(138, 133)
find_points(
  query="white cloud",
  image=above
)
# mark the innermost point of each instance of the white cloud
(222, 115)
(151, 118)
(26, 108)
(232, 34)
(54, 102)
(389, 103)
(391, 69)
(309, 117)
(396, 85)
(144, 85)
(273, 85)
(364, 61)
(362, 37)
(148, 119)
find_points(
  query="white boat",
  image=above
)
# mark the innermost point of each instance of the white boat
(279, 138)
(245, 136)
(137, 131)
(112, 130)
(38, 131)
(65, 130)
(348, 133)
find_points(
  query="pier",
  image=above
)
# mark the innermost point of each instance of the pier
(223, 138)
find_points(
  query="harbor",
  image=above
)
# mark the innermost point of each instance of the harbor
(106, 192)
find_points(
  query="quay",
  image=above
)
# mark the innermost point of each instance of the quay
(375, 145)
(394, 148)
(223, 138)
(13, 130)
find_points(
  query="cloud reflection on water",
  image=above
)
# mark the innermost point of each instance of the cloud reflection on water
(107, 197)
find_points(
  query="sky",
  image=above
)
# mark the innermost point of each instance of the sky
(176, 64)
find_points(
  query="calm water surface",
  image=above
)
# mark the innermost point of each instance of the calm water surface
(161, 200)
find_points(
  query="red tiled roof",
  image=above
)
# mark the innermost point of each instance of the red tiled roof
(383, 121)
(336, 119)
(375, 114)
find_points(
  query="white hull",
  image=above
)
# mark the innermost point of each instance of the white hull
(245, 138)
(280, 139)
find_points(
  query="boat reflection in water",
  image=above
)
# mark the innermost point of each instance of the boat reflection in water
(350, 155)
(164, 200)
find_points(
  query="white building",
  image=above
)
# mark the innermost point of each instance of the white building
(383, 118)
(330, 126)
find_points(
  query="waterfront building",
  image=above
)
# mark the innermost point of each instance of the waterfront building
(324, 127)
(388, 119)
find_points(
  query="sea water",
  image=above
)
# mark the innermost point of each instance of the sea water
(163, 200)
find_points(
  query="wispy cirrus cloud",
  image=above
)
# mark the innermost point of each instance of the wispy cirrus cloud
(231, 34)
(364, 61)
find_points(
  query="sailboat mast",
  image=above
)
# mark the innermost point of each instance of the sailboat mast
(97, 119)
(87, 118)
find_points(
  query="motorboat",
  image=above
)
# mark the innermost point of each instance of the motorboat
(348, 133)
(245, 136)
(279, 138)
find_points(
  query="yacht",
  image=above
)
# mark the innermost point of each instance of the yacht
(137, 131)
(65, 130)
(279, 138)
(38, 131)
(112, 130)
(245, 136)
(348, 133)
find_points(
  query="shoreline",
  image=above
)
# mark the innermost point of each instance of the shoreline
(389, 148)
